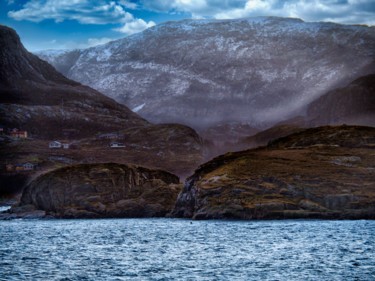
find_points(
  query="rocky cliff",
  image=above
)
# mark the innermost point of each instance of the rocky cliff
(325, 172)
(100, 190)
(256, 71)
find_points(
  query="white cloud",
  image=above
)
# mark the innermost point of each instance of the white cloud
(128, 4)
(80, 10)
(137, 25)
(343, 11)
(117, 11)
(83, 11)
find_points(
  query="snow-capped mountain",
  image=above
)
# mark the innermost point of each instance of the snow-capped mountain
(257, 71)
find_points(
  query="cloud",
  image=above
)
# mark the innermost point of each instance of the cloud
(343, 11)
(198, 8)
(137, 25)
(84, 12)
(80, 10)
(129, 5)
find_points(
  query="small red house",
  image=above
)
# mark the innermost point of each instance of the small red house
(15, 133)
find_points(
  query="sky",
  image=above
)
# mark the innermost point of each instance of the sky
(70, 24)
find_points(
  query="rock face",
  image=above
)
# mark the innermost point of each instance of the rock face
(257, 71)
(101, 190)
(324, 172)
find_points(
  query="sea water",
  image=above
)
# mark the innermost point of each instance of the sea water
(174, 249)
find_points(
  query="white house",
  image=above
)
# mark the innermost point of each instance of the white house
(28, 166)
(66, 145)
(55, 144)
(116, 145)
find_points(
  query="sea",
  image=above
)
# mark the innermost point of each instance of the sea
(177, 249)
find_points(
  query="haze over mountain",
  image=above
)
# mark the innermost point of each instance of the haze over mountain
(352, 104)
(258, 71)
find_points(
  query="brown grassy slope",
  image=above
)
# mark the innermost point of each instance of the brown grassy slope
(275, 132)
(326, 172)
(170, 147)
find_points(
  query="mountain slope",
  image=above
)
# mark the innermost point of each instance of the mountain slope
(257, 71)
(36, 98)
(325, 172)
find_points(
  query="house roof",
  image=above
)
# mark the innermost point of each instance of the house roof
(117, 143)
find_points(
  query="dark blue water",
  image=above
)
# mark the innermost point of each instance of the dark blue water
(167, 249)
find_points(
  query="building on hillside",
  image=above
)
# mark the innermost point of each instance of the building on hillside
(9, 167)
(24, 167)
(55, 144)
(18, 134)
(18, 168)
(28, 166)
(58, 144)
(116, 145)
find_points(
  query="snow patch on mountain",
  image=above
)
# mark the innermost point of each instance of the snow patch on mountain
(257, 70)
(139, 107)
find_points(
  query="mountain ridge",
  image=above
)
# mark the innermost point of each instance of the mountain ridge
(208, 72)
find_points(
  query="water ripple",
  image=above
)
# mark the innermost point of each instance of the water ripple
(162, 249)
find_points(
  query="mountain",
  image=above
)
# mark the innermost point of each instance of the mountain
(34, 97)
(209, 73)
(325, 172)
